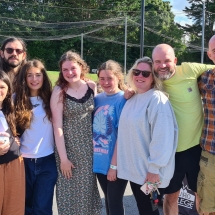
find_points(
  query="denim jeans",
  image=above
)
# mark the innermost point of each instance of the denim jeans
(41, 176)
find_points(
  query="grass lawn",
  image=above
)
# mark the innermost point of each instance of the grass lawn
(53, 75)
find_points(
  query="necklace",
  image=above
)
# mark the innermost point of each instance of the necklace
(76, 90)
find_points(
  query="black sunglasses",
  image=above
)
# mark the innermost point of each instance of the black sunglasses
(144, 73)
(10, 51)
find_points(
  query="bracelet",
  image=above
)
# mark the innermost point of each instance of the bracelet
(113, 167)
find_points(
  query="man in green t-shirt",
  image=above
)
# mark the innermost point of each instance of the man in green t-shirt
(180, 82)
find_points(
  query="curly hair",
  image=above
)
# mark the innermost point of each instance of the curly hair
(23, 106)
(75, 57)
(7, 104)
(116, 68)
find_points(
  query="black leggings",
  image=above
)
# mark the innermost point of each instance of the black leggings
(144, 203)
(113, 191)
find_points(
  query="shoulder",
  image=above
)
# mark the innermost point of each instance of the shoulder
(158, 98)
(56, 90)
(91, 84)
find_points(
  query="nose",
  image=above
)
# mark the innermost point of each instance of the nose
(163, 65)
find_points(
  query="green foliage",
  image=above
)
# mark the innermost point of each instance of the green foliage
(52, 27)
(194, 31)
(53, 75)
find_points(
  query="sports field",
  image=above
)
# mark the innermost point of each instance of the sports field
(53, 75)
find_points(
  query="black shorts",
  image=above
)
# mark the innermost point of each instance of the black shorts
(186, 163)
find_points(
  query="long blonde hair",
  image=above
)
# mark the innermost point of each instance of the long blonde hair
(157, 84)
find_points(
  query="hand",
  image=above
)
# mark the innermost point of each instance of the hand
(111, 176)
(17, 140)
(129, 92)
(4, 147)
(66, 168)
(152, 178)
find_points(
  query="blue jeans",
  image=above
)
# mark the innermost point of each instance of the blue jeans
(41, 176)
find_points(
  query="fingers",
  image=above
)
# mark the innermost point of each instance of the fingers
(67, 173)
(4, 148)
(111, 177)
(5, 134)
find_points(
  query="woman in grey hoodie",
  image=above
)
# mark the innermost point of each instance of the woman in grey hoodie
(147, 135)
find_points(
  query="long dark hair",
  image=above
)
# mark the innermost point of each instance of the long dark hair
(23, 106)
(7, 104)
(75, 57)
(10, 40)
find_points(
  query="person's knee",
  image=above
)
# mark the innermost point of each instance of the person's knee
(171, 198)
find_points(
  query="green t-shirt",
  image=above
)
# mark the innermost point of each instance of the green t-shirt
(186, 101)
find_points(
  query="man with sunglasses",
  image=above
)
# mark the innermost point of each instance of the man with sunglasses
(12, 55)
(180, 82)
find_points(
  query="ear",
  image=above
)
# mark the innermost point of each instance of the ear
(175, 60)
(209, 54)
(24, 56)
(2, 54)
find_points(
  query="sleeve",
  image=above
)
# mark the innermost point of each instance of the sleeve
(163, 137)
(119, 108)
(198, 68)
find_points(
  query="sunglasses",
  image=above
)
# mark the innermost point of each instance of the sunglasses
(10, 51)
(144, 73)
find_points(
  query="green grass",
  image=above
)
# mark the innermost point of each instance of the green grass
(53, 75)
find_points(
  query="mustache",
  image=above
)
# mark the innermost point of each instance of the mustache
(13, 56)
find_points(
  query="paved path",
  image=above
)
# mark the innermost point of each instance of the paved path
(129, 203)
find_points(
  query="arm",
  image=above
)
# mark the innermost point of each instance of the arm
(57, 119)
(163, 139)
(93, 86)
(111, 176)
(198, 68)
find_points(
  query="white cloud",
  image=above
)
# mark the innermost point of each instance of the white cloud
(177, 9)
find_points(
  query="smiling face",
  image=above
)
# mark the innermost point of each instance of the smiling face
(109, 82)
(34, 80)
(141, 83)
(164, 61)
(13, 54)
(71, 71)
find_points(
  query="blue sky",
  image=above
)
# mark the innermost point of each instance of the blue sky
(177, 9)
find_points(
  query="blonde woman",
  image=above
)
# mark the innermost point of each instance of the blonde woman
(147, 136)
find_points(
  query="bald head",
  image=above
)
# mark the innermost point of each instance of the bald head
(164, 61)
(211, 48)
(163, 48)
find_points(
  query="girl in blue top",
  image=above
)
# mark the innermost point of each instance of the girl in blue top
(33, 116)
(108, 107)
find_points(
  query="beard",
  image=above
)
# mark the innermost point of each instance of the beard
(164, 76)
(7, 65)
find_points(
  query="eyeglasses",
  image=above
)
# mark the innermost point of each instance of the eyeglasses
(10, 51)
(144, 73)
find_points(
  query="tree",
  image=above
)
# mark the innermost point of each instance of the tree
(52, 27)
(194, 31)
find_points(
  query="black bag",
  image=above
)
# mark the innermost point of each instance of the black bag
(187, 200)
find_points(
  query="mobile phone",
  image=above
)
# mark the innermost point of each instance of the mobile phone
(145, 189)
